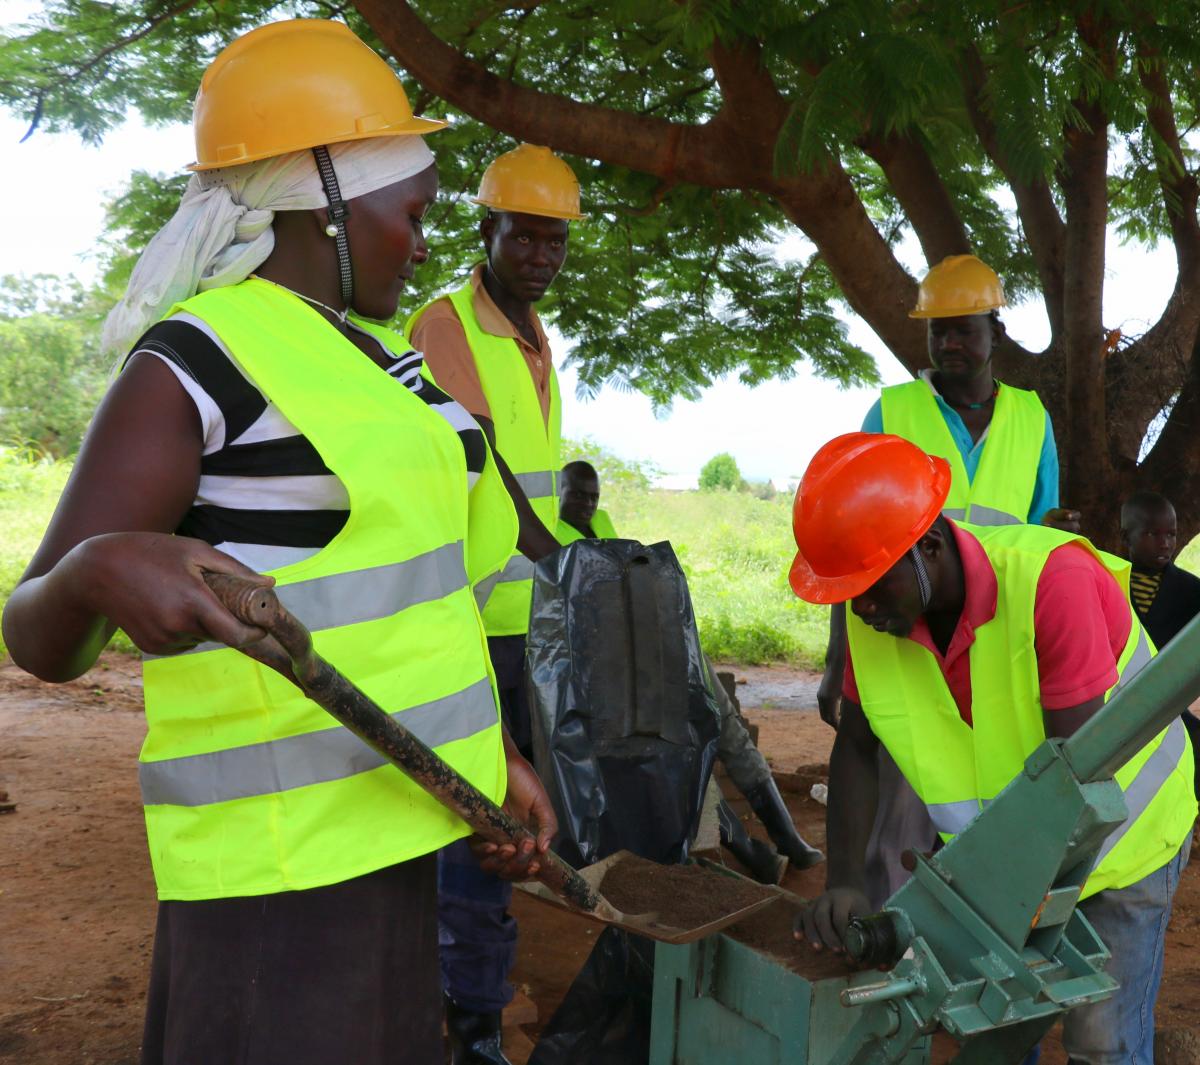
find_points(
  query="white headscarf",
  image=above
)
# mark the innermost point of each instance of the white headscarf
(222, 230)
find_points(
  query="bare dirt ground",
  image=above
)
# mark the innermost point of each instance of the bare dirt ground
(77, 901)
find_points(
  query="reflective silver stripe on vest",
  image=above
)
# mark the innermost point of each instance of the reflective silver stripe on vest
(991, 516)
(314, 758)
(536, 485)
(517, 568)
(1140, 658)
(1150, 778)
(981, 515)
(483, 590)
(952, 817)
(369, 594)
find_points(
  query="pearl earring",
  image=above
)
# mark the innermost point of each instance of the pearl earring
(331, 230)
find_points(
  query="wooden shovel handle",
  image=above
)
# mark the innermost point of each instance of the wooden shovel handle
(288, 649)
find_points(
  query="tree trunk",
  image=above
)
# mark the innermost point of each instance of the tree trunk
(1100, 400)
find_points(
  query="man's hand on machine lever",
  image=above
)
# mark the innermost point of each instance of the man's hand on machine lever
(823, 921)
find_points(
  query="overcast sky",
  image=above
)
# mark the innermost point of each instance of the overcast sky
(55, 186)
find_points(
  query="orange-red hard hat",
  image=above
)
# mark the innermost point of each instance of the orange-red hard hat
(864, 500)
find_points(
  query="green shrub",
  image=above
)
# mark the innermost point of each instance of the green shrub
(721, 471)
(753, 642)
(30, 484)
(50, 382)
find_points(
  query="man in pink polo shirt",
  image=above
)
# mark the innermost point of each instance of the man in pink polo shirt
(1080, 615)
(968, 646)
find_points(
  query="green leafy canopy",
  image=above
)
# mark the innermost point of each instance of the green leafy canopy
(669, 284)
(664, 289)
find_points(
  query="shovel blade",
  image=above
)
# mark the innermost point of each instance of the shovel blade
(643, 924)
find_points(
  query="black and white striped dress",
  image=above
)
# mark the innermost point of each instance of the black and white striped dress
(265, 496)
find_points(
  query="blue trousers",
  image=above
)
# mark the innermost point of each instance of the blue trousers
(1132, 922)
(477, 936)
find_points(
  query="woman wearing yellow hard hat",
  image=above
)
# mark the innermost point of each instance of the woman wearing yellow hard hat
(264, 425)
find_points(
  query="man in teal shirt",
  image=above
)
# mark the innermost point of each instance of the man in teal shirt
(1045, 493)
(959, 299)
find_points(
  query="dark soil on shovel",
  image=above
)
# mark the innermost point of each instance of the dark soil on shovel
(682, 896)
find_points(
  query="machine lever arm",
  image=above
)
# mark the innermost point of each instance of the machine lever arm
(1137, 713)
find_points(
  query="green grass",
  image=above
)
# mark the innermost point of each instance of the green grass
(736, 551)
(734, 548)
(29, 488)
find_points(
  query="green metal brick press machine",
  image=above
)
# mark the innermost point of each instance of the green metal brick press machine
(984, 942)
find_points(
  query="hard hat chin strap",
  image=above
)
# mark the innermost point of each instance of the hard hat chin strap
(339, 211)
(923, 581)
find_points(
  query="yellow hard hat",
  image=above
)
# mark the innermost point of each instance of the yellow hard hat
(530, 180)
(293, 85)
(959, 285)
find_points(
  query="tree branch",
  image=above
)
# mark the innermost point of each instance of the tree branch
(1145, 376)
(829, 211)
(640, 142)
(104, 53)
(679, 97)
(919, 188)
(1173, 465)
(1043, 226)
(1180, 191)
(735, 149)
(750, 98)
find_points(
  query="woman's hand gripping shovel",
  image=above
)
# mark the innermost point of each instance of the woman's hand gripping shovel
(288, 650)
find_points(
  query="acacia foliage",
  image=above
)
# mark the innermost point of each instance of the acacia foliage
(1015, 130)
(664, 289)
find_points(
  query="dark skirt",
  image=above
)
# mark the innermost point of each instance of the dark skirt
(338, 975)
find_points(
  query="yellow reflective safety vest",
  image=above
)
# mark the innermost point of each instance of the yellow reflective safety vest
(1006, 478)
(528, 443)
(602, 526)
(249, 788)
(956, 768)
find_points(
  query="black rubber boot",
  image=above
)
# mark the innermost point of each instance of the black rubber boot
(769, 808)
(474, 1037)
(763, 863)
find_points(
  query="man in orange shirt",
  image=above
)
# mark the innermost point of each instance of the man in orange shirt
(486, 347)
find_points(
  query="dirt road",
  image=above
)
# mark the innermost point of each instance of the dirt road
(76, 895)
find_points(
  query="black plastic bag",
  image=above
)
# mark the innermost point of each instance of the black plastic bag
(625, 733)
(624, 724)
(605, 1017)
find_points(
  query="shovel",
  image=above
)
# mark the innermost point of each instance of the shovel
(288, 650)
